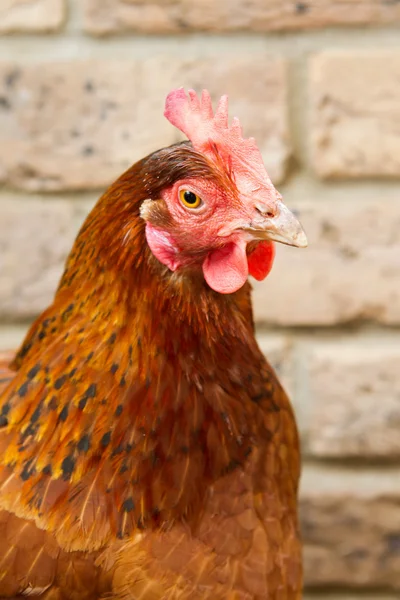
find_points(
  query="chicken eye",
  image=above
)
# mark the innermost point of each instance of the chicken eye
(189, 199)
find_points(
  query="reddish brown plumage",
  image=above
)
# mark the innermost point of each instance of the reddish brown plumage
(147, 450)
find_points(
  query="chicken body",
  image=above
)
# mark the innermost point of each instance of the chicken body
(147, 449)
(234, 534)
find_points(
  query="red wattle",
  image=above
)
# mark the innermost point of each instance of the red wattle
(260, 261)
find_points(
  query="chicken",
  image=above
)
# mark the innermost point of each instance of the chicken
(147, 449)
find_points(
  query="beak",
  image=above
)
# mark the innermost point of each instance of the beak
(281, 227)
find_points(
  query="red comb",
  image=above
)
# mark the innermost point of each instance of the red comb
(194, 116)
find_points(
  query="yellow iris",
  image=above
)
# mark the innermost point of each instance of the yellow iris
(189, 199)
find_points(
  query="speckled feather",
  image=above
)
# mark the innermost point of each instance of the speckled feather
(142, 430)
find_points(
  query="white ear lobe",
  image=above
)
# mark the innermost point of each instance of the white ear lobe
(145, 209)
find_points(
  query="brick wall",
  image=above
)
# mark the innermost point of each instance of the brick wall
(318, 83)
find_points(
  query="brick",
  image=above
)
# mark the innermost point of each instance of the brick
(351, 541)
(355, 399)
(18, 16)
(338, 279)
(80, 125)
(349, 272)
(174, 16)
(350, 528)
(35, 238)
(11, 336)
(355, 101)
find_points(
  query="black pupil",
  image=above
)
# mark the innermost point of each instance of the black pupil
(190, 197)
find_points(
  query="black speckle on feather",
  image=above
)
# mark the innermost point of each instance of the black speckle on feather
(67, 466)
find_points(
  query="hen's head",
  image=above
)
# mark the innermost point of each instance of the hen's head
(222, 213)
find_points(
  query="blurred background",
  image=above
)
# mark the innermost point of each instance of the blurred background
(317, 82)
